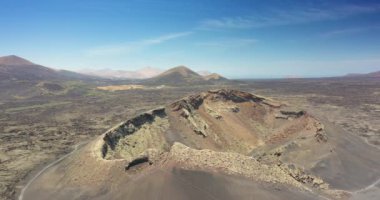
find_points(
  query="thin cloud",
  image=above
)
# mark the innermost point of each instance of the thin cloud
(129, 47)
(228, 43)
(165, 38)
(348, 31)
(280, 17)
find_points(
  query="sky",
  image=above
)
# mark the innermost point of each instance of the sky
(236, 38)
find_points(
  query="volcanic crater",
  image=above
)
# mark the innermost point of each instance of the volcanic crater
(217, 130)
(220, 140)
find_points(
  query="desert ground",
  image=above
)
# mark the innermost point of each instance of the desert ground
(42, 121)
(190, 100)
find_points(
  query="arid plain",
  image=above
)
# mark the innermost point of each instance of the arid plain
(44, 119)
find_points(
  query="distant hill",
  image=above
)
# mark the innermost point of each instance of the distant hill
(182, 75)
(177, 75)
(144, 73)
(368, 75)
(17, 68)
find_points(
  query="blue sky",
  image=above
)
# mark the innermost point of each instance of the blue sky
(237, 38)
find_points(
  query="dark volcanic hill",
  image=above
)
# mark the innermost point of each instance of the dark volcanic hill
(182, 75)
(177, 75)
(219, 144)
(16, 68)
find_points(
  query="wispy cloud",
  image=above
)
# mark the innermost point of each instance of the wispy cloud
(281, 17)
(348, 31)
(129, 47)
(165, 38)
(228, 43)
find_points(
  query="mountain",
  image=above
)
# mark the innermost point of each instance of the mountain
(144, 73)
(182, 75)
(177, 76)
(16, 68)
(14, 60)
(368, 75)
(218, 144)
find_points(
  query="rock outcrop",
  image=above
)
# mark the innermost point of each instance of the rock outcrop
(230, 163)
(112, 137)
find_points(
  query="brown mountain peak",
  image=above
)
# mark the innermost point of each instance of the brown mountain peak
(14, 60)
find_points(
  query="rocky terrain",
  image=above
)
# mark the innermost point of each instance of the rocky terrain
(350, 103)
(43, 118)
(236, 134)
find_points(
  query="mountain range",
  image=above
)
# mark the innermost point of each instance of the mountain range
(144, 73)
(16, 68)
